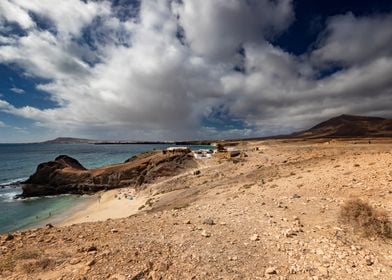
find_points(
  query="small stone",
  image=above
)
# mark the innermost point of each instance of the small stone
(74, 261)
(187, 222)
(289, 233)
(270, 270)
(369, 260)
(9, 237)
(295, 196)
(255, 237)
(113, 230)
(209, 221)
(92, 248)
(91, 262)
(205, 233)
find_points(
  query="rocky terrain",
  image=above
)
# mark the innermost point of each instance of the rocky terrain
(272, 213)
(66, 175)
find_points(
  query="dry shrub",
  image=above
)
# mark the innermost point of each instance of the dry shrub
(181, 206)
(45, 263)
(25, 255)
(365, 219)
(37, 265)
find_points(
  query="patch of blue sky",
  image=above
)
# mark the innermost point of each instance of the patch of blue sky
(220, 119)
(12, 80)
(126, 9)
(329, 71)
(311, 17)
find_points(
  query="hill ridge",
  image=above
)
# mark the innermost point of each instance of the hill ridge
(346, 125)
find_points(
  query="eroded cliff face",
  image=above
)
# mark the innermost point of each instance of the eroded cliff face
(65, 175)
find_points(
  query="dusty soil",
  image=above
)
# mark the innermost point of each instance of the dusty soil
(270, 214)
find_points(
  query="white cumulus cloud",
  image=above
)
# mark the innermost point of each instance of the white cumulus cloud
(171, 68)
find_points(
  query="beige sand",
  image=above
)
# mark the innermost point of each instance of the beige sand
(113, 204)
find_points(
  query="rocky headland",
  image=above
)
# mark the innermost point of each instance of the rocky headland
(65, 175)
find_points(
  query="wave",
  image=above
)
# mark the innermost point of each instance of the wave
(8, 196)
(9, 189)
(47, 196)
(13, 182)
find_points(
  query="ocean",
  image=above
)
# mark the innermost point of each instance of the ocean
(19, 161)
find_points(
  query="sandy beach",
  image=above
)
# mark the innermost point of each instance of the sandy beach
(113, 204)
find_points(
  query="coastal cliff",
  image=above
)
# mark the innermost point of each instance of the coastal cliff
(65, 175)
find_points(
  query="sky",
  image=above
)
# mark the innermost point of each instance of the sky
(189, 69)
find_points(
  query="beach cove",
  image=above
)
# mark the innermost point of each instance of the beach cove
(18, 161)
(113, 204)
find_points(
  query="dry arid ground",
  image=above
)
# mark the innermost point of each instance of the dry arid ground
(274, 213)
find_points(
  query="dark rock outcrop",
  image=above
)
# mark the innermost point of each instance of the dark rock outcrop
(69, 162)
(48, 173)
(66, 175)
(63, 175)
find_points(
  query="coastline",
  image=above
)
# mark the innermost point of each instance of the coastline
(35, 212)
(63, 214)
(49, 209)
(25, 214)
(112, 204)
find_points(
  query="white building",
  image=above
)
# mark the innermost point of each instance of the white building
(203, 153)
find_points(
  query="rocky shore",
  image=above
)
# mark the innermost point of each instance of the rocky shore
(65, 175)
(271, 213)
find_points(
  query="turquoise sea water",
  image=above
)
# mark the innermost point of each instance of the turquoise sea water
(19, 161)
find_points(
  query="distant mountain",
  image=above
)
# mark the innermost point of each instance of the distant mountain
(344, 126)
(349, 126)
(69, 140)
